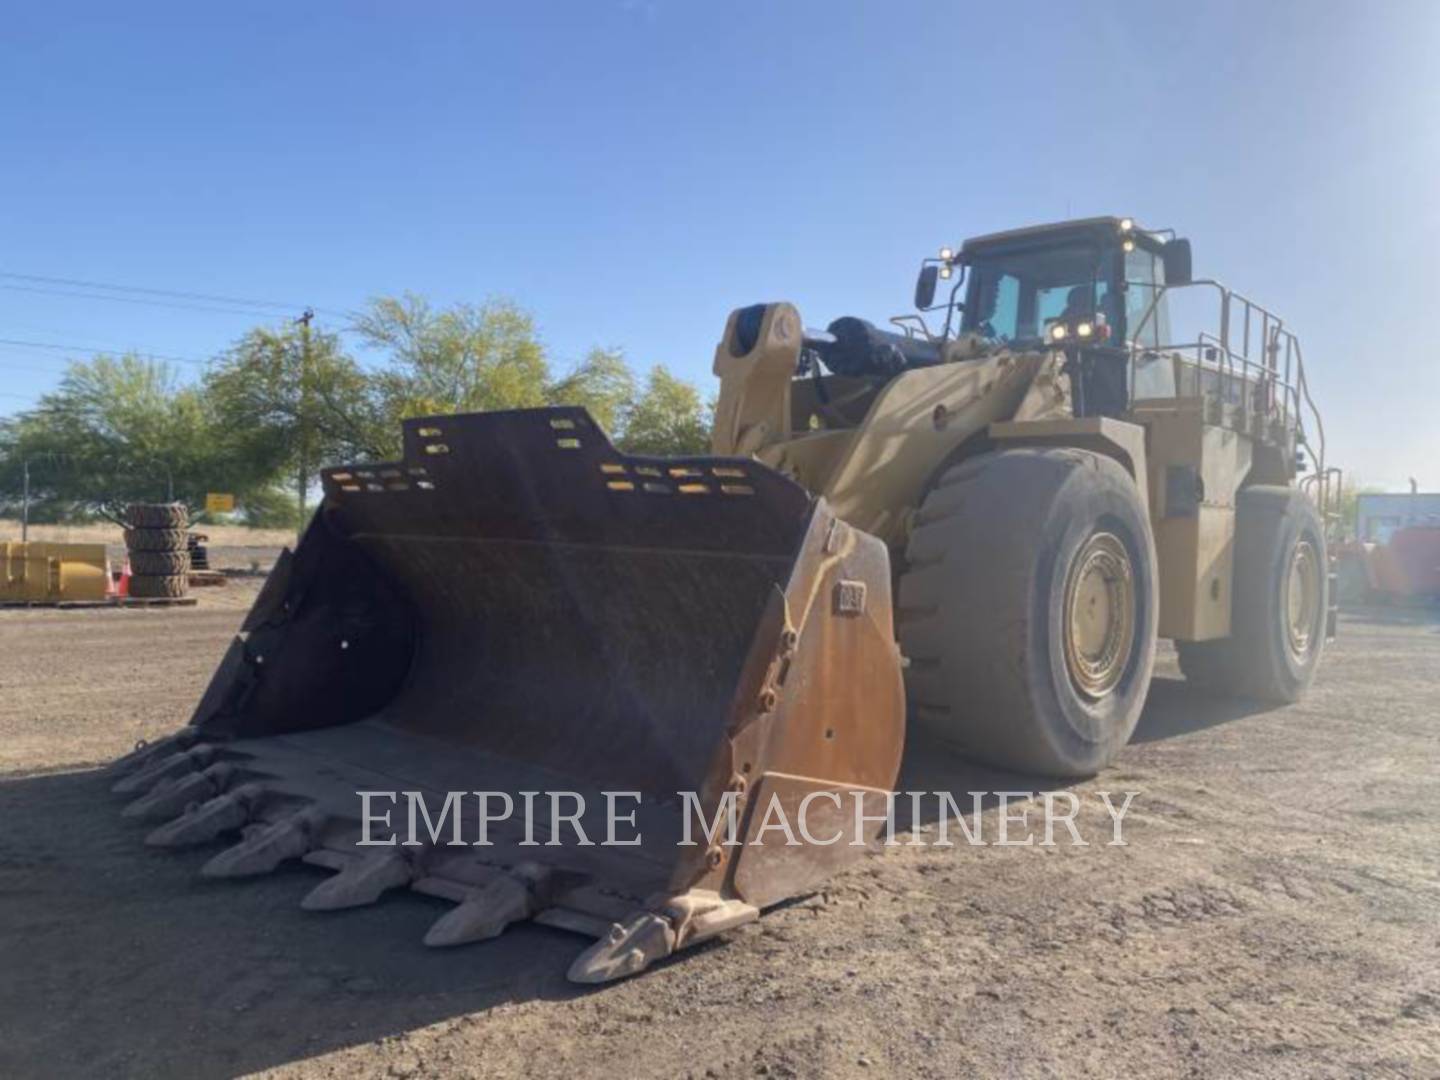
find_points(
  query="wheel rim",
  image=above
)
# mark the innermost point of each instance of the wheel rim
(1099, 615)
(1302, 598)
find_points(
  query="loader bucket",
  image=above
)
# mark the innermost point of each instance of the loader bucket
(516, 607)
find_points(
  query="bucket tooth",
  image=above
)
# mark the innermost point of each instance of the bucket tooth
(648, 936)
(363, 882)
(489, 909)
(171, 796)
(145, 752)
(177, 764)
(267, 848)
(629, 949)
(203, 823)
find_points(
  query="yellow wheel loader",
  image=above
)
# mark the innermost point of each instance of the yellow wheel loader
(990, 517)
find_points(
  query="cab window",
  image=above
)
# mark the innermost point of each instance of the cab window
(1144, 278)
(1015, 295)
(1148, 328)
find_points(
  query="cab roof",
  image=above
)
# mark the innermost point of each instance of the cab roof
(1078, 228)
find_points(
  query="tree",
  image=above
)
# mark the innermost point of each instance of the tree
(478, 357)
(290, 400)
(668, 419)
(119, 430)
(287, 399)
(465, 358)
(273, 507)
(604, 384)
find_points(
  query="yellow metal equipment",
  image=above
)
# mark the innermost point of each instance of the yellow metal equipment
(47, 573)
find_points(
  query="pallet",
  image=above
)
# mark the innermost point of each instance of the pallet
(200, 579)
(111, 602)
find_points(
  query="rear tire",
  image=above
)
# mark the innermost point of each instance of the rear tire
(1277, 618)
(1029, 608)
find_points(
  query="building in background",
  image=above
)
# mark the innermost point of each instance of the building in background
(1378, 516)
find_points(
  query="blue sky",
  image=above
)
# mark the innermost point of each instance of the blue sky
(631, 171)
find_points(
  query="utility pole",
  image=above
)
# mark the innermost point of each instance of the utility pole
(25, 498)
(303, 419)
(44, 455)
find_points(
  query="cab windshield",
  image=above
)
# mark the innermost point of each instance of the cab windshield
(1015, 295)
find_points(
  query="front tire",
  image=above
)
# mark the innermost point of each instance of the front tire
(1277, 617)
(1028, 610)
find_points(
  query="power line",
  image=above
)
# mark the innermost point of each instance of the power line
(10, 365)
(50, 333)
(88, 352)
(58, 367)
(11, 355)
(176, 304)
(92, 349)
(234, 301)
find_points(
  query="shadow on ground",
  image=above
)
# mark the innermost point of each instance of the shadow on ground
(120, 960)
(1174, 708)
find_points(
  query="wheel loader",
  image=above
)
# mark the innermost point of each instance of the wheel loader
(982, 518)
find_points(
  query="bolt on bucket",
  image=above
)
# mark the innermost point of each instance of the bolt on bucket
(653, 649)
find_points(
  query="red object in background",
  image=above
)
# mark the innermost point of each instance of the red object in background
(122, 587)
(1415, 560)
(1405, 568)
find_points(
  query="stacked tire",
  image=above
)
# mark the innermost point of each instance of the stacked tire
(157, 542)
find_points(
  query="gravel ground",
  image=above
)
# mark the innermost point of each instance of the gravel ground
(1274, 912)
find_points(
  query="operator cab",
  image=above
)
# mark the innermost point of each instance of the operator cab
(1094, 287)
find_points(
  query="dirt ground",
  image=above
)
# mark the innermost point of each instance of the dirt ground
(105, 533)
(1276, 911)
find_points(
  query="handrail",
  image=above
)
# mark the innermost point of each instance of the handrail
(1278, 371)
(908, 323)
(1304, 386)
(1326, 489)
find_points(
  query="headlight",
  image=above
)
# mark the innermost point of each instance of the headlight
(1058, 332)
(1126, 224)
(945, 271)
(947, 253)
(1085, 329)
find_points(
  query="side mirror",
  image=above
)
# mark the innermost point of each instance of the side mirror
(1176, 256)
(925, 286)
